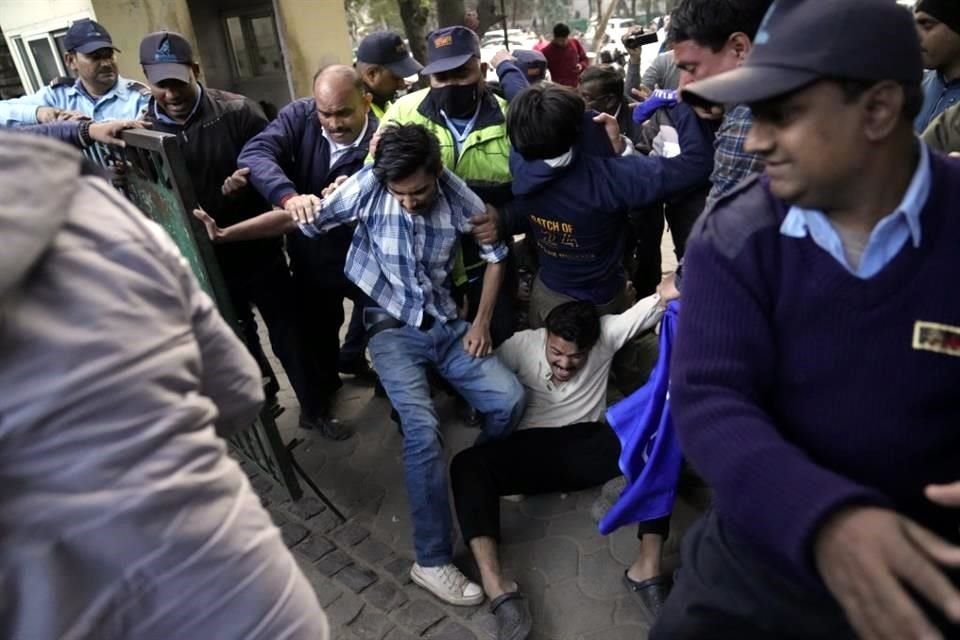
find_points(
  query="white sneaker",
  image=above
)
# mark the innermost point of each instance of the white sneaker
(447, 583)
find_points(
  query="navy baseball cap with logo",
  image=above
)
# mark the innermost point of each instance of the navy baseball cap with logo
(800, 42)
(87, 36)
(387, 49)
(449, 48)
(166, 55)
(533, 64)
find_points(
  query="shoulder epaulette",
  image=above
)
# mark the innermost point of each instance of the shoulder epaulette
(62, 81)
(136, 85)
(742, 186)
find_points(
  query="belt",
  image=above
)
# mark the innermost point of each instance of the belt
(376, 320)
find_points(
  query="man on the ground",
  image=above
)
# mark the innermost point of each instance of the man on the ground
(97, 92)
(820, 432)
(562, 443)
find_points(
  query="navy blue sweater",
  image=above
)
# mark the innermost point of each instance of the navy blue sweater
(578, 213)
(799, 389)
(291, 156)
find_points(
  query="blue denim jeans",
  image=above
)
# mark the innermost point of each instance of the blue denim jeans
(401, 358)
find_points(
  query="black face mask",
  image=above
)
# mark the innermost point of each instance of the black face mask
(457, 100)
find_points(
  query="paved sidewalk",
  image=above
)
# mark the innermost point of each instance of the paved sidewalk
(359, 568)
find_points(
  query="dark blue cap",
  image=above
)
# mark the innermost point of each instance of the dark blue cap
(449, 48)
(86, 36)
(166, 55)
(387, 49)
(532, 63)
(801, 41)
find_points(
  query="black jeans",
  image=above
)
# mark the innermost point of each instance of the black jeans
(726, 590)
(270, 289)
(531, 462)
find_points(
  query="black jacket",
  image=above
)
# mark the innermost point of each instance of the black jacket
(211, 139)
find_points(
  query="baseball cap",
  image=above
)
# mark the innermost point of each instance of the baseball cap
(449, 48)
(945, 11)
(802, 41)
(533, 64)
(387, 49)
(166, 55)
(86, 36)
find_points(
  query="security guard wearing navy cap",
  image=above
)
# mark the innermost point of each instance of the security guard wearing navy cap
(98, 91)
(212, 127)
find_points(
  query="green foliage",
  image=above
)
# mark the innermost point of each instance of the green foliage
(365, 16)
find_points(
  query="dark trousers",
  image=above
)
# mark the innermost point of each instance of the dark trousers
(270, 289)
(531, 462)
(251, 337)
(726, 590)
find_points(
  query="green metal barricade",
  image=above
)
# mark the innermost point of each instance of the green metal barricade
(151, 173)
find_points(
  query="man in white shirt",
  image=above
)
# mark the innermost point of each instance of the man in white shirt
(561, 444)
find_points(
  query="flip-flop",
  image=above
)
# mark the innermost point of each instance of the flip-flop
(514, 621)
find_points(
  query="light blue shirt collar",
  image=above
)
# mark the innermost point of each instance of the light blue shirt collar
(888, 237)
(78, 88)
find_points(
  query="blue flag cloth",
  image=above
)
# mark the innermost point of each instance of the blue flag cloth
(650, 454)
(658, 100)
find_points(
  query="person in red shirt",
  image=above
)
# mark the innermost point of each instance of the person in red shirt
(566, 57)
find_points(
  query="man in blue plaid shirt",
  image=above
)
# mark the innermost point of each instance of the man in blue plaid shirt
(410, 212)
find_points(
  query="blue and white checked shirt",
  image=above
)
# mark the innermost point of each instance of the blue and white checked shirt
(731, 164)
(403, 261)
(887, 238)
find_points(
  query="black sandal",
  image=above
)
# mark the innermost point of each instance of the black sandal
(514, 621)
(652, 593)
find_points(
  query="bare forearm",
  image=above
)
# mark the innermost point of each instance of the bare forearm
(266, 225)
(492, 280)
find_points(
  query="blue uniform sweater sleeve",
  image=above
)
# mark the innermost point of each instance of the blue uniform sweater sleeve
(21, 111)
(68, 131)
(512, 80)
(723, 376)
(638, 180)
(266, 152)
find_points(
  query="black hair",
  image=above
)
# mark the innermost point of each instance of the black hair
(912, 95)
(561, 30)
(545, 120)
(576, 322)
(403, 149)
(710, 23)
(606, 77)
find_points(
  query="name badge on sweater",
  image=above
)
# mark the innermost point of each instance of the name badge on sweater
(939, 338)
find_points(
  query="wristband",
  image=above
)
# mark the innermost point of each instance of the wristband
(84, 132)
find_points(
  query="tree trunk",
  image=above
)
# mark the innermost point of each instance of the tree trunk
(604, 17)
(489, 14)
(449, 12)
(414, 16)
(649, 15)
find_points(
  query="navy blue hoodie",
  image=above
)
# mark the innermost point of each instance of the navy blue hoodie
(578, 212)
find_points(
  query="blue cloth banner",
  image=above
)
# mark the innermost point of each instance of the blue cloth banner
(650, 456)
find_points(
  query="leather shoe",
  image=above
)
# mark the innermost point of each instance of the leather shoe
(329, 428)
(651, 593)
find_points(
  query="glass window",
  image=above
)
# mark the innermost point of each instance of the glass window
(268, 55)
(254, 45)
(32, 79)
(241, 57)
(45, 58)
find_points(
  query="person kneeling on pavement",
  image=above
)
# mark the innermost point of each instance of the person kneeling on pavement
(562, 443)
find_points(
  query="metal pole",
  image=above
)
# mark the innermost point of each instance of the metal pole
(506, 38)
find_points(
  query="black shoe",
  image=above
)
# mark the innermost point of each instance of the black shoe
(651, 593)
(358, 367)
(329, 428)
(274, 407)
